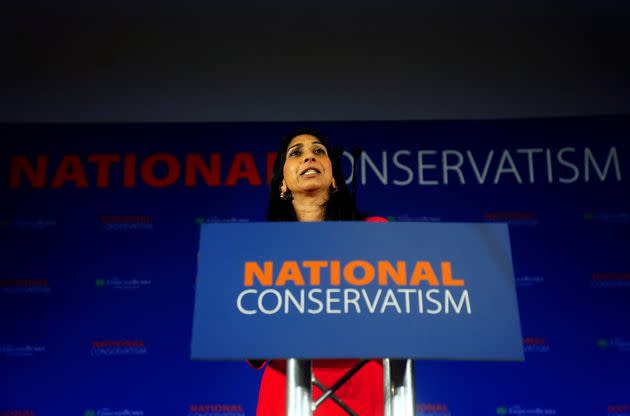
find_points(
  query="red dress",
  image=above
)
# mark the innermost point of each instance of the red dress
(363, 392)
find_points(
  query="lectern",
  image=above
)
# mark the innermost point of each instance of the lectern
(396, 291)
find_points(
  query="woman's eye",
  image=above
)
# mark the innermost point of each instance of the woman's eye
(319, 151)
(294, 153)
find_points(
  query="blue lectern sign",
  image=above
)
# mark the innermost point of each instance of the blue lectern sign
(355, 289)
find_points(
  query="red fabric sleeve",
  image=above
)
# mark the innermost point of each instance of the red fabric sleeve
(376, 219)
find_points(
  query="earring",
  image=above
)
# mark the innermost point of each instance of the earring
(286, 195)
(333, 188)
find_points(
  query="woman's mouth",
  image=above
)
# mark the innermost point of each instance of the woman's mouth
(310, 172)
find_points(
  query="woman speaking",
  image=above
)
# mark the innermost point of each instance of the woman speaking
(307, 185)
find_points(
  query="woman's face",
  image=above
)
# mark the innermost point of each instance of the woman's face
(307, 167)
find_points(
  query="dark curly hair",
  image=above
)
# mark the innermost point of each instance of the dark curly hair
(341, 205)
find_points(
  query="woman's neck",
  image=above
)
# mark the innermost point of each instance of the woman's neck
(310, 207)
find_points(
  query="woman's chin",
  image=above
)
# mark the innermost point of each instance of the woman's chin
(312, 190)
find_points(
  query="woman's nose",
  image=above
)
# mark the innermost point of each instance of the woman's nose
(309, 157)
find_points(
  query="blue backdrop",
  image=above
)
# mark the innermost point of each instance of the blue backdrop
(99, 231)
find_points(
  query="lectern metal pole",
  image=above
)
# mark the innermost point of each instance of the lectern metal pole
(398, 386)
(299, 388)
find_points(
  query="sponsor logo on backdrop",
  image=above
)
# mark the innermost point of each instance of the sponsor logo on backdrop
(105, 411)
(122, 284)
(619, 344)
(17, 412)
(27, 224)
(20, 286)
(511, 217)
(409, 218)
(610, 280)
(216, 409)
(618, 409)
(432, 409)
(126, 222)
(109, 348)
(445, 294)
(615, 218)
(28, 350)
(399, 167)
(209, 220)
(529, 281)
(518, 410)
(535, 345)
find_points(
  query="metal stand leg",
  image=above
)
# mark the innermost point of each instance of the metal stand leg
(299, 389)
(398, 386)
(328, 393)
